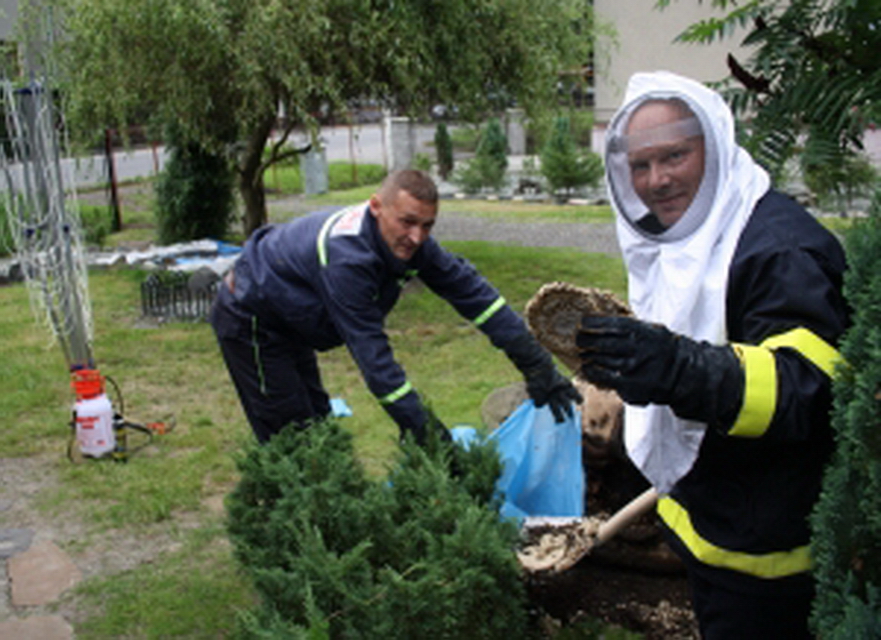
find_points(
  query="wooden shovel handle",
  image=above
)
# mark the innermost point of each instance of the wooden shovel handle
(624, 516)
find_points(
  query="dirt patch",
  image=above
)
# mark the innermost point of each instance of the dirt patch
(24, 482)
(655, 604)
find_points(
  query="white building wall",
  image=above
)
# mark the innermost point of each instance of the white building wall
(645, 43)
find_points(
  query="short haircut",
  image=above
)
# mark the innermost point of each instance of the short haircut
(417, 183)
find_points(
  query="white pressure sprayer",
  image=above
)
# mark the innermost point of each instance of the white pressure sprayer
(92, 414)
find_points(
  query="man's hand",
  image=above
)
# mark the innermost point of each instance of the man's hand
(430, 430)
(647, 363)
(544, 384)
(635, 358)
(547, 386)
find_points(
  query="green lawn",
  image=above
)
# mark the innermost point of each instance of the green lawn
(192, 589)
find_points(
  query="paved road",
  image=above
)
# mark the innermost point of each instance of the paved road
(359, 143)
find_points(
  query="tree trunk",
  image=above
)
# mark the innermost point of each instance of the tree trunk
(254, 199)
(251, 176)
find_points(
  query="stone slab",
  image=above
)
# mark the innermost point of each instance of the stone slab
(501, 403)
(14, 541)
(41, 574)
(36, 628)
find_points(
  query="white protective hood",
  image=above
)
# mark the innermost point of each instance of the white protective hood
(679, 277)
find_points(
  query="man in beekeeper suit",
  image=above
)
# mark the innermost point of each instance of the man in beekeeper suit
(725, 371)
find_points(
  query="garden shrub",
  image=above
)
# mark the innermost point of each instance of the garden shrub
(97, 223)
(562, 164)
(7, 242)
(195, 193)
(493, 148)
(541, 127)
(846, 539)
(443, 145)
(421, 553)
(422, 162)
(487, 168)
(836, 184)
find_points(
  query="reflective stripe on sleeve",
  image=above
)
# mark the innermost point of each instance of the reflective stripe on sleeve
(810, 345)
(397, 394)
(490, 310)
(322, 235)
(777, 564)
(760, 370)
(759, 392)
(255, 346)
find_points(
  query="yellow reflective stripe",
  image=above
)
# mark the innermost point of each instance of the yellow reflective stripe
(486, 315)
(322, 235)
(810, 345)
(760, 369)
(397, 394)
(777, 564)
(759, 393)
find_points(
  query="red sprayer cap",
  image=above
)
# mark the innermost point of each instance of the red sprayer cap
(87, 383)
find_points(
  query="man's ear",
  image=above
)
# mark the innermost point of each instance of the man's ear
(375, 205)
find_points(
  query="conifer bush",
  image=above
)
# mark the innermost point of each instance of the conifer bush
(490, 162)
(195, 193)
(443, 145)
(563, 165)
(421, 553)
(847, 519)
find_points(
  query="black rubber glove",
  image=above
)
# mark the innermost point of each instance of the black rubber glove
(432, 423)
(544, 384)
(647, 363)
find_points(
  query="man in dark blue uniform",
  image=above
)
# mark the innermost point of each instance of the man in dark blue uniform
(330, 279)
(726, 369)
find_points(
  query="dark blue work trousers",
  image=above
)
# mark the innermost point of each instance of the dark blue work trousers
(727, 614)
(276, 377)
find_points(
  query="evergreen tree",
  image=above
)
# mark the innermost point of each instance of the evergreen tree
(443, 145)
(487, 168)
(494, 144)
(563, 166)
(847, 518)
(419, 554)
(195, 193)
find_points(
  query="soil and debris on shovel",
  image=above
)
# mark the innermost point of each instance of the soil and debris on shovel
(421, 553)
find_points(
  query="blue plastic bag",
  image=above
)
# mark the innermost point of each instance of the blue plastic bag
(542, 473)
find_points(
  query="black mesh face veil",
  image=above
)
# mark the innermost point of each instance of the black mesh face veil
(620, 144)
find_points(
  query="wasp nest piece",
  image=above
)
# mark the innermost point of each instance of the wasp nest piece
(554, 315)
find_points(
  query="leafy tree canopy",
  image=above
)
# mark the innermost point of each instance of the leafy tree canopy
(222, 69)
(814, 72)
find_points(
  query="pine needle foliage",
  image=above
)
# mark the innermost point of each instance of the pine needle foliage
(195, 193)
(847, 519)
(563, 165)
(333, 554)
(443, 145)
(490, 162)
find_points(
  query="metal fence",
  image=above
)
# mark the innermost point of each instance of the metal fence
(175, 295)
